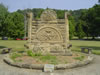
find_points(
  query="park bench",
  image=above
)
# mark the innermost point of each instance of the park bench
(6, 50)
(86, 50)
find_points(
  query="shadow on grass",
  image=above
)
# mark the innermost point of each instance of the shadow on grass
(2, 47)
(93, 47)
(21, 51)
(87, 39)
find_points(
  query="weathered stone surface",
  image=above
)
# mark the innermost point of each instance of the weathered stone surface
(37, 66)
(60, 66)
(49, 15)
(26, 66)
(48, 34)
(8, 60)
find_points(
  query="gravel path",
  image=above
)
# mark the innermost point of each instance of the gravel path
(91, 69)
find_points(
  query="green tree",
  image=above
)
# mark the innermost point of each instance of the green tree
(37, 12)
(60, 14)
(15, 23)
(93, 17)
(72, 25)
(79, 30)
(3, 14)
(85, 23)
(98, 1)
(90, 21)
(18, 28)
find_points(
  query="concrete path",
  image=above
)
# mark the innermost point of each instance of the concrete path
(91, 69)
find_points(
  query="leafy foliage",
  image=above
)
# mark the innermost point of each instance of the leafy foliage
(11, 24)
(15, 25)
(91, 19)
(72, 25)
(79, 30)
(83, 22)
(3, 14)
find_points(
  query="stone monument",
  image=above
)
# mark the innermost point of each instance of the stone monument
(48, 34)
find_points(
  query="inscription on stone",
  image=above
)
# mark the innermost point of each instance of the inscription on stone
(48, 68)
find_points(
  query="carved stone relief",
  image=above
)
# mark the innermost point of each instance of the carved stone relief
(49, 15)
(48, 34)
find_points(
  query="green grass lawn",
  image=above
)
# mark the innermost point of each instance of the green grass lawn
(15, 44)
(77, 44)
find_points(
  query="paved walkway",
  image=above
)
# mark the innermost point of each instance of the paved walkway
(91, 69)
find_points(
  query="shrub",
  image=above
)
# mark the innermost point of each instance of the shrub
(30, 53)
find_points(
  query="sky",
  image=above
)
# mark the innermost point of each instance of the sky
(14, 5)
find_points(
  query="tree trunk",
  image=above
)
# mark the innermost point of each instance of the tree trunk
(93, 37)
(87, 36)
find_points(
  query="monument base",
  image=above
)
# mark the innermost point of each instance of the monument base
(49, 49)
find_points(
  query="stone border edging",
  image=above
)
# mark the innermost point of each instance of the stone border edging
(41, 66)
(75, 64)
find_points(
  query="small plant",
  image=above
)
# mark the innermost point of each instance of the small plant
(79, 58)
(38, 54)
(30, 53)
(15, 55)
